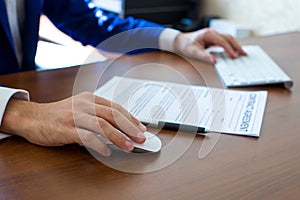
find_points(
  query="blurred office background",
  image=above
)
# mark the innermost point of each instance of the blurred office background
(250, 18)
(265, 17)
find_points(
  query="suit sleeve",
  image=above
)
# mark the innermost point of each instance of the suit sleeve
(90, 25)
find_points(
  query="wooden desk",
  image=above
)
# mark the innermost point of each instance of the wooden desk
(236, 168)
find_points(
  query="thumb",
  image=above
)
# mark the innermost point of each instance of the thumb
(197, 52)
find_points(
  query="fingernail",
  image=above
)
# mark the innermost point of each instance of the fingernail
(107, 152)
(213, 60)
(142, 127)
(129, 146)
(141, 135)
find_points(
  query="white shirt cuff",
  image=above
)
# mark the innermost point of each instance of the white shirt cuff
(5, 95)
(167, 38)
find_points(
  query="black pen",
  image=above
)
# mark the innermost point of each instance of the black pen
(175, 126)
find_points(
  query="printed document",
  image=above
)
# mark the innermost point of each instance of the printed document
(217, 110)
(51, 56)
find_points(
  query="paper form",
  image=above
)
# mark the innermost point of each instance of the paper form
(51, 56)
(218, 110)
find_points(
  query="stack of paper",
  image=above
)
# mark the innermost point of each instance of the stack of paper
(218, 110)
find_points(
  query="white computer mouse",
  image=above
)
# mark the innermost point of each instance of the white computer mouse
(152, 144)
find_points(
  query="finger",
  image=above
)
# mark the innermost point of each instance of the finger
(114, 135)
(222, 41)
(196, 51)
(213, 58)
(103, 110)
(102, 101)
(101, 127)
(234, 43)
(90, 140)
(214, 38)
(121, 122)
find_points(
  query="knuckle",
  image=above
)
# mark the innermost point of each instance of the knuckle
(86, 93)
(102, 123)
(209, 30)
(228, 36)
(117, 106)
(79, 102)
(111, 114)
(78, 117)
(223, 42)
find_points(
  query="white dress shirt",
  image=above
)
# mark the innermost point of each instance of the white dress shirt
(15, 13)
(167, 38)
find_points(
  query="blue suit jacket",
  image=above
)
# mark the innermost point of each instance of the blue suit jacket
(79, 20)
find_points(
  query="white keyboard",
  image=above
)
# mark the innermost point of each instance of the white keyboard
(255, 69)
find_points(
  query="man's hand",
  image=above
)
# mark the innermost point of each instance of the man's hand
(78, 119)
(193, 44)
